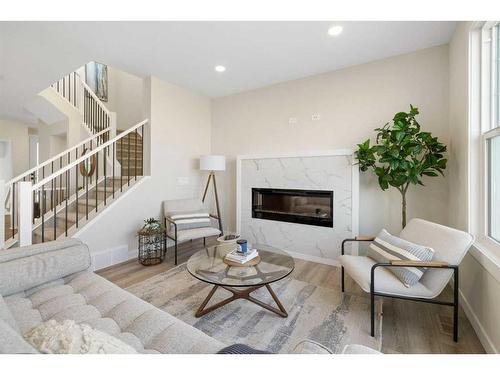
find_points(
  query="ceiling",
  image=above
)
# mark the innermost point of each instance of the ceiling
(256, 54)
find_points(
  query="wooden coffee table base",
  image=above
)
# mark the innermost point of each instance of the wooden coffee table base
(244, 294)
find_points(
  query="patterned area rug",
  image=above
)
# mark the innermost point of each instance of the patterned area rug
(320, 314)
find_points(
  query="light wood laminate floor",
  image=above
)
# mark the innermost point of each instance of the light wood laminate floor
(408, 327)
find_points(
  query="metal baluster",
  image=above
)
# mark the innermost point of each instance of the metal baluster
(87, 195)
(13, 216)
(67, 196)
(105, 178)
(51, 199)
(60, 180)
(43, 213)
(135, 162)
(77, 208)
(33, 216)
(121, 164)
(113, 170)
(142, 149)
(55, 210)
(128, 164)
(96, 178)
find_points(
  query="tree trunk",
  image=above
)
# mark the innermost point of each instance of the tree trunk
(403, 208)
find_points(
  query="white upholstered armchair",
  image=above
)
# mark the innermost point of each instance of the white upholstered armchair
(188, 219)
(449, 245)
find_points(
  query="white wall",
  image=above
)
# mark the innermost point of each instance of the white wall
(17, 133)
(125, 97)
(479, 287)
(73, 122)
(351, 102)
(52, 139)
(180, 133)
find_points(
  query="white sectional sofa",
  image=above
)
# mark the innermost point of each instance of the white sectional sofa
(54, 281)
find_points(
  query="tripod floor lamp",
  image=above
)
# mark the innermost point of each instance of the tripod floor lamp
(213, 163)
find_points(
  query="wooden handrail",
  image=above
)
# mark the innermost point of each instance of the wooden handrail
(88, 155)
(55, 158)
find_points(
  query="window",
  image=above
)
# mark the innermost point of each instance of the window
(494, 187)
(485, 135)
(491, 138)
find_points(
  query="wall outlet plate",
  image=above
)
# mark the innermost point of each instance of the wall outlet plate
(316, 117)
(293, 121)
(182, 181)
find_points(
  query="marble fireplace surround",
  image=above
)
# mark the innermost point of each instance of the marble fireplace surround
(318, 170)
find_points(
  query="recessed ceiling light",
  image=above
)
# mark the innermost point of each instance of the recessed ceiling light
(335, 30)
(220, 68)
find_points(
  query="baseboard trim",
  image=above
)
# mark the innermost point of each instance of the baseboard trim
(110, 257)
(476, 324)
(315, 259)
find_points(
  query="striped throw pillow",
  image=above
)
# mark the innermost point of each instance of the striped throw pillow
(191, 220)
(387, 247)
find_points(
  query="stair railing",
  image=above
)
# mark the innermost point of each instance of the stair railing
(40, 172)
(94, 113)
(88, 183)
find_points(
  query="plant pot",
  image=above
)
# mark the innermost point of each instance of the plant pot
(151, 249)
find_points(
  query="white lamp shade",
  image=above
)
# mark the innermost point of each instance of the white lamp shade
(213, 163)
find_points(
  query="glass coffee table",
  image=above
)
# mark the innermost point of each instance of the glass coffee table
(208, 266)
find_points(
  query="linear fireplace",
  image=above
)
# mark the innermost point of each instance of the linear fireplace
(312, 207)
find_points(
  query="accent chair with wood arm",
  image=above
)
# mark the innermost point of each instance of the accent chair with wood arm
(449, 245)
(180, 206)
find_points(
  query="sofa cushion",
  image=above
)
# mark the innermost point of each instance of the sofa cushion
(88, 298)
(11, 342)
(192, 234)
(387, 247)
(359, 268)
(190, 220)
(6, 315)
(68, 337)
(30, 266)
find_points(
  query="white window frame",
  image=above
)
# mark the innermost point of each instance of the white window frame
(482, 127)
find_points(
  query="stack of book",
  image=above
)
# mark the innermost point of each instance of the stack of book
(241, 258)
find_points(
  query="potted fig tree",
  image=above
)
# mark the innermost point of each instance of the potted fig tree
(402, 155)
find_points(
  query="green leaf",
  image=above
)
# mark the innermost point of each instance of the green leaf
(402, 153)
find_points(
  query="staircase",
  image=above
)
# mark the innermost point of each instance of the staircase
(58, 197)
(129, 154)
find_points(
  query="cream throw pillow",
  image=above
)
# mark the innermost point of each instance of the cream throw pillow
(69, 337)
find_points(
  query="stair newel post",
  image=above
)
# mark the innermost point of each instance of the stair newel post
(2, 214)
(25, 205)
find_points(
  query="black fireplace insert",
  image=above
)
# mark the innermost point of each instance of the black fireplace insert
(312, 207)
